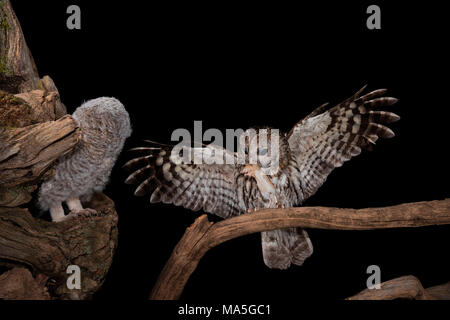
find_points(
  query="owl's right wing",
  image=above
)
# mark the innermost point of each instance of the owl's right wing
(326, 139)
(215, 188)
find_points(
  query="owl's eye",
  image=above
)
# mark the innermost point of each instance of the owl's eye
(262, 152)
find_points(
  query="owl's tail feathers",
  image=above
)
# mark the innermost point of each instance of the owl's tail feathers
(284, 247)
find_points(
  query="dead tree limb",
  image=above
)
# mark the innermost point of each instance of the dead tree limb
(204, 235)
(27, 151)
(19, 283)
(34, 133)
(440, 292)
(407, 287)
(18, 72)
(48, 248)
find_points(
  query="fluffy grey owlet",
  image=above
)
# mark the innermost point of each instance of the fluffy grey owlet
(322, 141)
(104, 124)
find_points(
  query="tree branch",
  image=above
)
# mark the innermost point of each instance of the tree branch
(48, 248)
(407, 287)
(27, 153)
(204, 235)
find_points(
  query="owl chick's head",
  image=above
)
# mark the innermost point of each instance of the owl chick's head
(266, 147)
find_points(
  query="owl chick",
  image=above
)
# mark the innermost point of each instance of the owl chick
(104, 124)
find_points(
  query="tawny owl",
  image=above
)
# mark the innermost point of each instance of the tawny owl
(316, 145)
(104, 124)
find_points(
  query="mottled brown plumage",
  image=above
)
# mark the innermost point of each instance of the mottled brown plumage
(316, 145)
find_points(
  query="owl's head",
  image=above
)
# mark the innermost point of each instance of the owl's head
(266, 147)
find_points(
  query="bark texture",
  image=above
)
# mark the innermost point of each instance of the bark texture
(18, 72)
(34, 132)
(47, 249)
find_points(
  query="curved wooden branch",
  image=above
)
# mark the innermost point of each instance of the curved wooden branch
(204, 235)
(407, 287)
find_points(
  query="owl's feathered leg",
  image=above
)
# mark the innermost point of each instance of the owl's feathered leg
(75, 207)
(284, 247)
(57, 212)
(74, 204)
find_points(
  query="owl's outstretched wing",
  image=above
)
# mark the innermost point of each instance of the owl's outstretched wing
(211, 187)
(325, 139)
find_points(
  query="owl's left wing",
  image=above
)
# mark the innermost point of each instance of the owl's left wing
(211, 187)
(326, 139)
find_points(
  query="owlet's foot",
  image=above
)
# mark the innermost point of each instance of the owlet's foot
(83, 213)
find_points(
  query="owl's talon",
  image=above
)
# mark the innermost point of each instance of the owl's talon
(249, 170)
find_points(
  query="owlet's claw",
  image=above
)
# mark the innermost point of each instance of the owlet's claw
(83, 213)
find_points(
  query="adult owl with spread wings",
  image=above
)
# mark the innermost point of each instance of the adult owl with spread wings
(320, 142)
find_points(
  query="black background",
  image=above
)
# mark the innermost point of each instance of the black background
(236, 66)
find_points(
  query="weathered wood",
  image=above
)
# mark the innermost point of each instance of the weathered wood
(407, 287)
(19, 283)
(204, 235)
(15, 112)
(45, 105)
(31, 141)
(48, 248)
(27, 152)
(18, 72)
(440, 292)
(16, 196)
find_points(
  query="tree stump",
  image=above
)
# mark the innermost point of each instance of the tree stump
(34, 133)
